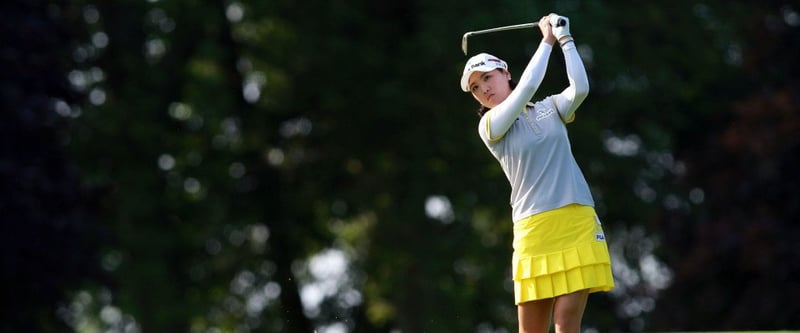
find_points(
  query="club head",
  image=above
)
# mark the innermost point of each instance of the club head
(464, 43)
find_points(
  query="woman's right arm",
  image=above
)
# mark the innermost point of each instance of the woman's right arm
(499, 119)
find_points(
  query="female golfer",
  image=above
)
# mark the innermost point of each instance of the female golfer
(560, 253)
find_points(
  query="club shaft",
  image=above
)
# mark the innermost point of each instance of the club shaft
(508, 27)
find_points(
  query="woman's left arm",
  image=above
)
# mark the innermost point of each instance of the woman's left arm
(571, 98)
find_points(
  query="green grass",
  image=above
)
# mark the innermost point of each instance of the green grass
(793, 331)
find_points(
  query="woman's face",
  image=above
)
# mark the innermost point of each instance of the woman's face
(490, 88)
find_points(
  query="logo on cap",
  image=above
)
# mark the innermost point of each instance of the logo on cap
(477, 65)
(499, 63)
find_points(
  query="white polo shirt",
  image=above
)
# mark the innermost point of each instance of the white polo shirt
(536, 156)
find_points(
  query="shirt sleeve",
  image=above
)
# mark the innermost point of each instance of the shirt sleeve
(495, 123)
(571, 98)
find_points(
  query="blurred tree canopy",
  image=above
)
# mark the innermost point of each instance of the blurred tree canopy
(292, 166)
(49, 241)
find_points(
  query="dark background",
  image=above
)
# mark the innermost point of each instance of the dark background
(285, 166)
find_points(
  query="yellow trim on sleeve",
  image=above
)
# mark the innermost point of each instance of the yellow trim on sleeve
(489, 129)
(570, 119)
(565, 121)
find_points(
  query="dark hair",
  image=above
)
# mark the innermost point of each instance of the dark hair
(482, 109)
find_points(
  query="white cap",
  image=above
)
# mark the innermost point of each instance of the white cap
(483, 62)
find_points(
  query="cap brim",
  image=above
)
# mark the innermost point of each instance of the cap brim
(465, 76)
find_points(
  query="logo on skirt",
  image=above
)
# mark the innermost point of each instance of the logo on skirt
(599, 236)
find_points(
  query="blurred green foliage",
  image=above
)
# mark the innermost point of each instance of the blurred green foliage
(286, 166)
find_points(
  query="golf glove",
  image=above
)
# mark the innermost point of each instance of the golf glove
(560, 26)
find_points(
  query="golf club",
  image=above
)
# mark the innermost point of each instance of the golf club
(508, 27)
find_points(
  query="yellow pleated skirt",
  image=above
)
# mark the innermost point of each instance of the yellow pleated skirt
(560, 252)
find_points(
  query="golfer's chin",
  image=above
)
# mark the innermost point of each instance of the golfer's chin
(489, 102)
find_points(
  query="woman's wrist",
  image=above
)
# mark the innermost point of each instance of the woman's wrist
(564, 40)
